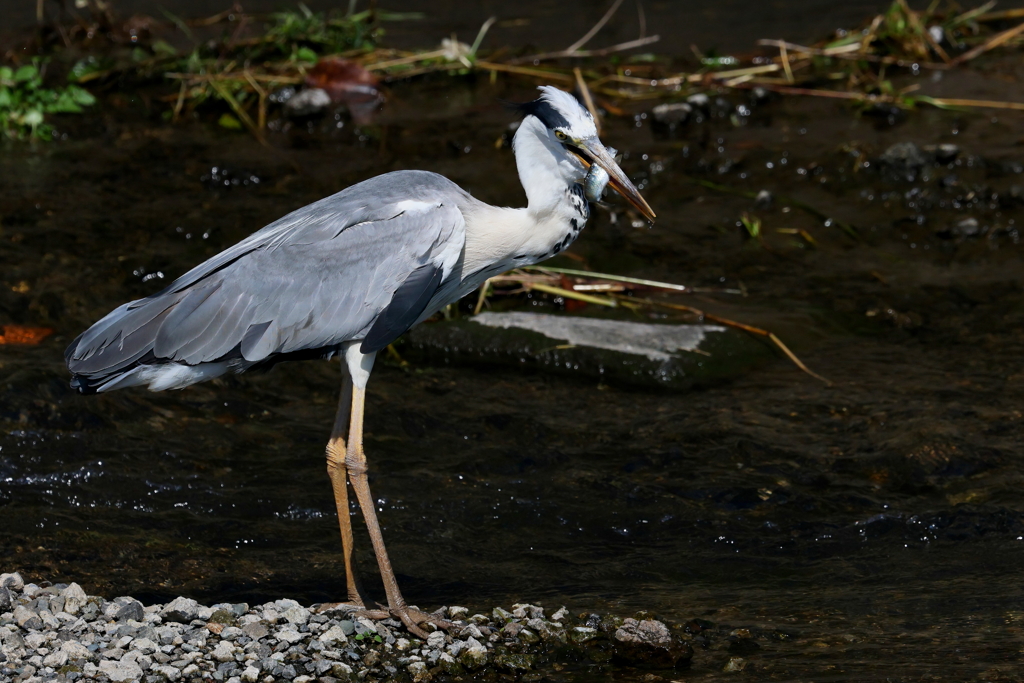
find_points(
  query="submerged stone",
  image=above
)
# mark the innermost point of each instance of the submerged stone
(669, 356)
(514, 662)
(649, 644)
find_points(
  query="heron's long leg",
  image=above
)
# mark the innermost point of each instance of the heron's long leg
(339, 481)
(359, 366)
(355, 462)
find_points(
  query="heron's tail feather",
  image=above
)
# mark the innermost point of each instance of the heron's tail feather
(118, 351)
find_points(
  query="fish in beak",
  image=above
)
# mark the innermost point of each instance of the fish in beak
(592, 151)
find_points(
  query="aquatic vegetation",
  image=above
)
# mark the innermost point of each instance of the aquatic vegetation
(25, 101)
(248, 71)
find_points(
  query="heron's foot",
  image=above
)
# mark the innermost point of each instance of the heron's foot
(347, 606)
(410, 617)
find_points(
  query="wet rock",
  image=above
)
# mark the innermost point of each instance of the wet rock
(120, 672)
(333, 636)
(529, 637)
(583, 634)
(514, 662)
(473, 656)
(296, 615)
(764, 199)
(77, 650)
(649, 644)
(699, 101)
(126, 608)
(436, 640)
(904, 159)
(449, 665)
(667, 118)
(471, 631)
(12, 581)
(223, 616)
(348, 83)
(224, 652)
(419, 672)
(455, 612)
(288, 634)
(182, 610)
(965, 227)
(735, 664)
(26, 618)
(668, 356)
(308, 102)
(320, 649)
(56, 659)
(945, 153)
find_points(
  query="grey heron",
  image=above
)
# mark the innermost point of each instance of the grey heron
(348, 275)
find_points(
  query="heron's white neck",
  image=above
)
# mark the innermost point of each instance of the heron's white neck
(501, 238)
(546, 168)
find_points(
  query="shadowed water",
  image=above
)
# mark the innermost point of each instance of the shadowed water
(867, 530)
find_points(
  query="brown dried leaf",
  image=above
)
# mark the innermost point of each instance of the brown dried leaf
(24, 336)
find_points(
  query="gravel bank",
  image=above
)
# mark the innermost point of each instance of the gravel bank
(57, 632)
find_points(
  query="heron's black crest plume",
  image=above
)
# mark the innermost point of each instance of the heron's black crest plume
(542, 108)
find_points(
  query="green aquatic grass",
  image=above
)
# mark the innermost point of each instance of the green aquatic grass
(25, 101)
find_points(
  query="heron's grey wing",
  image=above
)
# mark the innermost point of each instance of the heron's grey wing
(313, 288)
(406, 306)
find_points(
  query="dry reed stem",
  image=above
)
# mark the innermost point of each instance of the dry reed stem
(734, 324)
(587, 99)
(994, 42)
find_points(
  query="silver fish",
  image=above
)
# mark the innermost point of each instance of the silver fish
(597, 180)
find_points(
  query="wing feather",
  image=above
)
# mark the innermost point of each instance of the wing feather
(363, 264)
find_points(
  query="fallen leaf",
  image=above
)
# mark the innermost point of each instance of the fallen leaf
(349, 84)
(19, 334)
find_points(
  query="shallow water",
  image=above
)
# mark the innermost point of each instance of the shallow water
(867, 530)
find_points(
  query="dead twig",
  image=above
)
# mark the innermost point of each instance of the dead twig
(737, 325)
(587, 99)
(579, 54)
(595, 28)
(993, 42)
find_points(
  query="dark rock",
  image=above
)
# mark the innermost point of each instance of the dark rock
(12, 581)
(255, 630)
(886, 114)
(5, 599)
(223, 616)
(513, 662)
(904, 159)
(945, 153)
(649, 644)
(130, 609)
(615, 351)
(699, 101)
(182, 610)
(666, 118)
(27, 619)
(963, 228)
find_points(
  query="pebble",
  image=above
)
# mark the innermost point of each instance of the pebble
(60, 633)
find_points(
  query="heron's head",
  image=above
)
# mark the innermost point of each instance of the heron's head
(570, 125)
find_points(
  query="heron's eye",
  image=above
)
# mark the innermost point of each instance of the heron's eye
(560, 135)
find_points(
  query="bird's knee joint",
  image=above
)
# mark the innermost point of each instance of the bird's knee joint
(355, 467)
(336, 453)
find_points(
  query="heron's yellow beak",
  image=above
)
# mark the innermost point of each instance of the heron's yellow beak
(592, 151)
